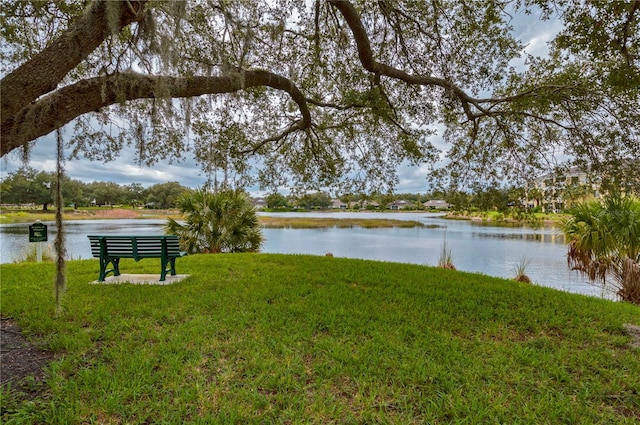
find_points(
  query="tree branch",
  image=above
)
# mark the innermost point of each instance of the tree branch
(335, 105)
(365, 55)
(28, 82)
(60, 107)
(635, 6)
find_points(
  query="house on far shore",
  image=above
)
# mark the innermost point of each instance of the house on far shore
(259, 203)
(367, 205)
(399, 205)
(554, 189)
(337, 204)
(437, 204)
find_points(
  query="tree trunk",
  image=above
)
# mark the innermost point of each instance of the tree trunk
(630, 290)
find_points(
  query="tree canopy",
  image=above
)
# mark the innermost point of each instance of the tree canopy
(326, 93)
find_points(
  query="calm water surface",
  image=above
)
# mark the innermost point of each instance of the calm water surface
(475, 247)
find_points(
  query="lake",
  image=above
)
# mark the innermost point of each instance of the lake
(475, 247)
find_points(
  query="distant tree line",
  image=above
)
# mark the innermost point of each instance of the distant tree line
(490, 198)
(29, 186)
(508, 200)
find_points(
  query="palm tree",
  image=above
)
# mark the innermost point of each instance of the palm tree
(604, 241)
(223, 221)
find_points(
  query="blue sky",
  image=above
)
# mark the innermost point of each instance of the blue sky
(125, 170)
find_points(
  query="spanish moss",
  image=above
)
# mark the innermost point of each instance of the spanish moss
(61, 251)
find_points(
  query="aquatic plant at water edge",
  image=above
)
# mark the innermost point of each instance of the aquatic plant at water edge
(520, 270)
(445, 260)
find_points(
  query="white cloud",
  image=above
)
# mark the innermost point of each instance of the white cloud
(534, 32)
(413, 179)
(124, 170)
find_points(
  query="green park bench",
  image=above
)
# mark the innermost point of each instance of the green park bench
(110, 249)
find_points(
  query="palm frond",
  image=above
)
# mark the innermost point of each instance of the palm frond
(223, 221)
(604, 242)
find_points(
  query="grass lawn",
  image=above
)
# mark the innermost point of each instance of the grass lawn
(91, 213)
(327, 222)
(265, 338)
(265, 221)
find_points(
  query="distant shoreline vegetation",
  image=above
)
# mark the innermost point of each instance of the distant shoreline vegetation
(265, 221)
(516, 219)
(107, 213)
(327, 222)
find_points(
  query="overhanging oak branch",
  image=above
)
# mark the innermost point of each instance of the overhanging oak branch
(474, 108)
(42, 74)
(60, 107)
(365, 54)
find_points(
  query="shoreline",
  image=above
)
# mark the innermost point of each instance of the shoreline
(488, 218)
(537, 221)
(265, 221)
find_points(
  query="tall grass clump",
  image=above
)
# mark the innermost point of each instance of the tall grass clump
(445, 260)
(30, 254)
(520, 270)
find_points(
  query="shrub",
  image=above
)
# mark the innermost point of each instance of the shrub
(224, 221)
(604, 244)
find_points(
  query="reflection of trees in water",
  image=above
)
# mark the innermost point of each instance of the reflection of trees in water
(535, 237)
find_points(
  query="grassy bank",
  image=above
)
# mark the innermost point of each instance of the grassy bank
(94, 213)
(324, 222)
(265, 221)
(509, 218)
(261, 338)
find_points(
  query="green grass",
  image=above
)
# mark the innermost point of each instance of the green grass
(7, 217)
(262, 338)
(265, 221)
(85, 213)
(508, 218)
(329, 222)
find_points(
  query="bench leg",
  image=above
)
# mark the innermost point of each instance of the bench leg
(104, 263)
(103, 269)
(163, 269)
(116, 266)
(167, 265)
(172, 261)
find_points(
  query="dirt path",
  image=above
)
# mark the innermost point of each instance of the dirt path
(20, 358)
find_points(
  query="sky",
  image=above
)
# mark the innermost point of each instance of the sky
(125, 170)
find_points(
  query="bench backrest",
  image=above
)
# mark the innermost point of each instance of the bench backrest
(135, 246)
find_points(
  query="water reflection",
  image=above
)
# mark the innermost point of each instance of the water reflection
(535, 237)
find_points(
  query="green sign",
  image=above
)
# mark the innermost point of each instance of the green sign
(38, 232)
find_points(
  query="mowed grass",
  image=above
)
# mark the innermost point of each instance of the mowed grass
(328, 222)
(262, 338)
(265, 221)
(88, 213)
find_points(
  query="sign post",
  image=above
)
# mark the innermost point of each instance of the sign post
(38, 234)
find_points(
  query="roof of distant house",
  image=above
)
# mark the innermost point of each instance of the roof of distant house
(436, 203)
